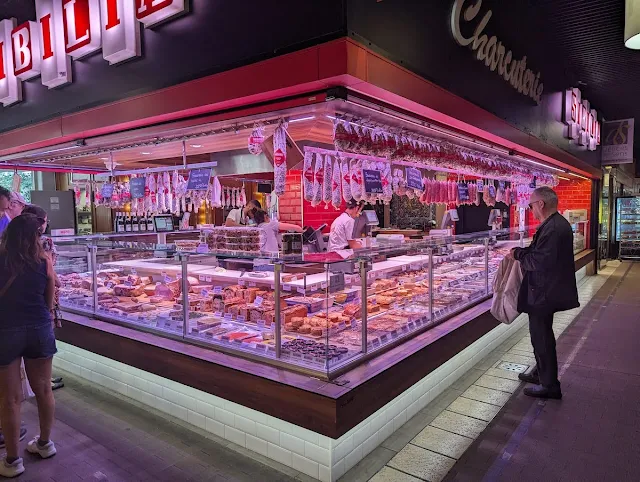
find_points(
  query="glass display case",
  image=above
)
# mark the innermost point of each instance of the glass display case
(317, 317)
(628, 226)
(579, 220)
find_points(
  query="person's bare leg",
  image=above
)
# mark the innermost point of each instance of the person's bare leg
(39, 374)
(10, 400)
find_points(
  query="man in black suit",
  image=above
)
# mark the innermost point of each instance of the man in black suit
(548, 286)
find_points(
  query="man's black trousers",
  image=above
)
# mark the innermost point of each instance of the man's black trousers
(544, 347)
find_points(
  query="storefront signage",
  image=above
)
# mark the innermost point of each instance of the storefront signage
(617, 142)
(199, 180)
(414, 178)
(492, 52)
(73, 29)
(372, 181)
(582, 121)
(137, 187)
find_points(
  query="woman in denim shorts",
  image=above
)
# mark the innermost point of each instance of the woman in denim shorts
(27, 288)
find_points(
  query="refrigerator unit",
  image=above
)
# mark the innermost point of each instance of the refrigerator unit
(628, 226)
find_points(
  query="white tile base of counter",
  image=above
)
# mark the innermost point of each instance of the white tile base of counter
(313, 454)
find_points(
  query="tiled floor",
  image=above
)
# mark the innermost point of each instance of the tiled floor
(103, 438)
(427, 447)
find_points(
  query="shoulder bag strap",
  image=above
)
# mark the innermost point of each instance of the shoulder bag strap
(7, 286)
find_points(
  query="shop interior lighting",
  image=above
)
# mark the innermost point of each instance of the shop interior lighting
(196, 146)
(145, 153)
(632, 25)
(564, 178)
(578, 175)
(302, 119)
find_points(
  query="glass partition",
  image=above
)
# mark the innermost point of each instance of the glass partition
(314, 316)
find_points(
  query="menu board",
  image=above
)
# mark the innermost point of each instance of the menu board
(107, 191)
(372, 181)
(414, 178)
(492, 190)
(199, 180)
(136, 186)
(463, 192)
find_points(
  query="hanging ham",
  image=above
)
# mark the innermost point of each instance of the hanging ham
(346, 181)
(336, 194)
(280, 158)
(307, 176)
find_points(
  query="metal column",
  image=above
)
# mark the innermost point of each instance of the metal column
(277, 270)
(363, 295)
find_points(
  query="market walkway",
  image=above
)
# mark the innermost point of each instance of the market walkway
(104, 438)
(593, 434)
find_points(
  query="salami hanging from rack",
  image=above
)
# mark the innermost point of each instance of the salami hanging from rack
(387, 187)
(280, 158)
(346, 181)
(355, 168)
(336, 192)
(327, 181)
(216, 193)
(307, 176)
(318, 178)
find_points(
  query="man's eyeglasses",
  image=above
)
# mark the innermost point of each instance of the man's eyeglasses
(533, 202)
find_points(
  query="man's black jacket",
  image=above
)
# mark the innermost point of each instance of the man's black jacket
(549, 282)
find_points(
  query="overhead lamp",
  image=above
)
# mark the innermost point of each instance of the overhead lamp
(632, 24)
(291, 121)
(145, 153)
(196, 146)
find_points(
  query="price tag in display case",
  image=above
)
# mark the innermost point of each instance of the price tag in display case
(260, 323)
(394, 334)
(252, 284)
(208, 279)
(301, 290)
(204, 293)
(241, 282)
(167, 279)
(324, 285)
(134, 272)
(217, 290)
(384, 338)
(218, 314)
(258, 301)
(201, 277)
(286, 287)
(228, 316)
(241, 319)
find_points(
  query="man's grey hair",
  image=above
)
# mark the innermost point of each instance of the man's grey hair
(548, 195)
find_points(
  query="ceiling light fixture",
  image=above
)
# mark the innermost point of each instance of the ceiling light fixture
(145, 153)
(196, 146)
(632, 24)
(565, 178)
(302, 119)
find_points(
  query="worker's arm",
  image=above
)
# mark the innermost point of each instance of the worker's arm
(230, 223)
(355, 244)
(289, 227)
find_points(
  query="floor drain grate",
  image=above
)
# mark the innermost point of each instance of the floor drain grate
(512, 367)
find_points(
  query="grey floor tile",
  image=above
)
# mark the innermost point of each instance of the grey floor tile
(499, 373)
(496, 383)
(422, 463)
(474, 409)
(369, 466)
(522, 359)
(460, 424)
(487, 395)
(388, 474)
(442, 442)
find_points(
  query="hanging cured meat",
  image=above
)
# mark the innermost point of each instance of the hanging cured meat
(280, 158)
(425, 190)
(356, 179)
(256, 139)
(307, 176)
(336, 194)
(387, 188)
(243, 197)
(216, 193)
(160, 190)
(327, 181)
(318, 178)
(174, 182)
(346, 181)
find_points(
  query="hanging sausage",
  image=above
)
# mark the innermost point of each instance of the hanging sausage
(280, 158)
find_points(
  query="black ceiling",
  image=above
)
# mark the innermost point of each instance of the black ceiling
(590, 34)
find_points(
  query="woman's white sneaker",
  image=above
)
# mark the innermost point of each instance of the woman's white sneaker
(44, 451)
(11, 470)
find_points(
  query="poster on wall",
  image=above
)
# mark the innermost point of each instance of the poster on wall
(617, 142)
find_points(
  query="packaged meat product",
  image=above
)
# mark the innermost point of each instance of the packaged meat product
(256, 139)
(356, 179)
(317, 180)
(307, 176)
(336, 194)
(346, 181)
(327, 180)
(387, 187)
(280, 158)
(216, 194)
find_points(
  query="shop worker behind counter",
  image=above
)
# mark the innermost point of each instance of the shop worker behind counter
(548, 286)
(241, 216)
(341, 234)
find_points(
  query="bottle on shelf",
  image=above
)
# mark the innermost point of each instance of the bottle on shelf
(127, 224)
(143, 223)
(150, 225)
(120, 226)
(135, 226)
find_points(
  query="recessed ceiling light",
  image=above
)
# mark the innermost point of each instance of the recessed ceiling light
(196, 146)
(302, 119)
(104, 158)
(145, 153)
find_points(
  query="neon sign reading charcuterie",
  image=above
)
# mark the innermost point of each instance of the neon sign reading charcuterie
(73, 29)
(492, 52)
(582, 121)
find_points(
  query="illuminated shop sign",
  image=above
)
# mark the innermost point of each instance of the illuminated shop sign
(582, 121)
(72, 29)
(492, 52)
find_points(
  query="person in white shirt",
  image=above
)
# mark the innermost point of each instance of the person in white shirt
(341, 234)
(242, 216)
(271, 230)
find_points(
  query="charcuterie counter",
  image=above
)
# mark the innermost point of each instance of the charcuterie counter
(318, 318)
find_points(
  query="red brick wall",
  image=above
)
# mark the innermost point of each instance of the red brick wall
(574, 194)
(289, 203)
(316, 216)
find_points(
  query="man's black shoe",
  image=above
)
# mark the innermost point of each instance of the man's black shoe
(542, 392)
(529, 378)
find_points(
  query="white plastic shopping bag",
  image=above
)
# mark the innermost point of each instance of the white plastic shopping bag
(507, 282)
(26, 388)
